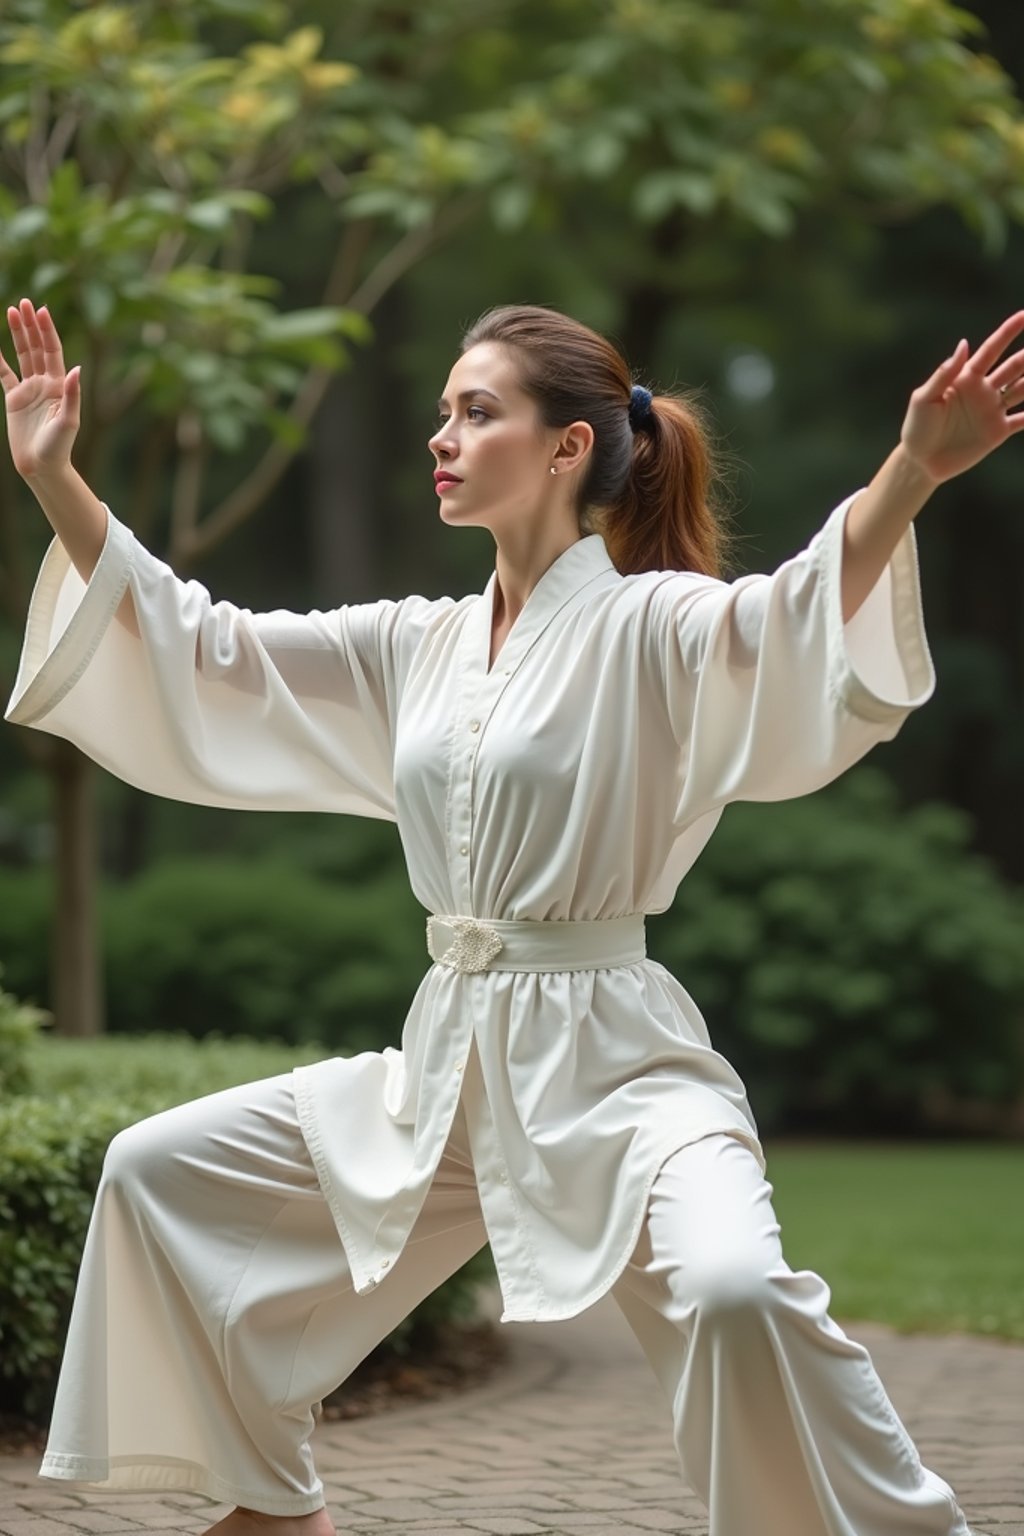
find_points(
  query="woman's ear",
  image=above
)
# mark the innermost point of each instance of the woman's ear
(573, 446)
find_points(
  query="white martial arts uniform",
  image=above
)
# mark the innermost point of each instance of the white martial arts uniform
(545, 804)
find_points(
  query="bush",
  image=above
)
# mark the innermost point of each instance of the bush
(260, 949)
(26, 907)
(19, 1026)
(51, 1153)
(239, 947)
(52, 1145)
(861, 969)
(165, 1069)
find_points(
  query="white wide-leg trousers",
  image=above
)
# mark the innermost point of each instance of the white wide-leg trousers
(214, 1311)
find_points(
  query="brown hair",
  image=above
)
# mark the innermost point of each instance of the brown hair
(648, 492)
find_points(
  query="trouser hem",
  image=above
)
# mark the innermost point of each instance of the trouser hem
(122, 1473)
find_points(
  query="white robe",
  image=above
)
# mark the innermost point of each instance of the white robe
(577, 779)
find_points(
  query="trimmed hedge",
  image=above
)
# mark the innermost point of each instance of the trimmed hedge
(52, 1144)
(19, 1023)
(859, 966)
(238, 947)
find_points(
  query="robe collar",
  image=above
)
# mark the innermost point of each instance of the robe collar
(575, 568)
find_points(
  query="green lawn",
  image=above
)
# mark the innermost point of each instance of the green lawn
(921, 1236)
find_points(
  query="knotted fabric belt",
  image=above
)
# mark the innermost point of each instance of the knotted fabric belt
(471, 944)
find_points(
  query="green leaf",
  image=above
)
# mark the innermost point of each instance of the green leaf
(98, 301)
(301, 324)
(48, 274)
(657, 194)
(510, 205)
(764, 211)
(214, 215)
(286, 430)
(27, 223)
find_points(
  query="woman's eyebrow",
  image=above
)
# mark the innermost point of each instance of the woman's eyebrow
(467, 394)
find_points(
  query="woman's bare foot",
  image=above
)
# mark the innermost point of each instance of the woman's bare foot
(253, 1522)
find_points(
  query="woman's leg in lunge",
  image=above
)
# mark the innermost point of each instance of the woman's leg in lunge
(781, 1424)
(215, 1309)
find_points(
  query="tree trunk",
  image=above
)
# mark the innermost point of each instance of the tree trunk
(78, 1003)
(342, 462)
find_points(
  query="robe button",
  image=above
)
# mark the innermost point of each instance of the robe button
(459, 1066)
(474, 725)
(464, 848)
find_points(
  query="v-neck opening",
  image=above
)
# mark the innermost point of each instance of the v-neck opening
(491, 664)
(573, 569)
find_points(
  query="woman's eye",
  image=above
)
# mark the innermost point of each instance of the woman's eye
(474, 410)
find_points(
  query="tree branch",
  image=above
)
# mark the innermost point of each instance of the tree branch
(412, 247)
(119, 398)
(15, 588)
(38, 749)
(152, 456)
(37, 178)
(64, 130)
(243, 501)
(188, 485)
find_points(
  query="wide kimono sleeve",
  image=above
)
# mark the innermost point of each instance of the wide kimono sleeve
(770, 695)
(212, 703)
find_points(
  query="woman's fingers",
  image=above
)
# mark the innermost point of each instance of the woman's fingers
(21, 341)
(33, 336)
(36, 343)
(8, 377)
(53, 352)
(25, 338)
(945, 373)
(1009, 371)
(990, 349)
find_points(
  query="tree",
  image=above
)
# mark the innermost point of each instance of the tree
(135, 160)
(144, 143)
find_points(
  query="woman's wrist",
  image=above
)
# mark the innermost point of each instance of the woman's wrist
(910, 475)
(50, 478)
(877, 520)
(77, 517)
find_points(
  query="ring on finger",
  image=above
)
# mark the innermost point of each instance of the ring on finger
(1004, 389)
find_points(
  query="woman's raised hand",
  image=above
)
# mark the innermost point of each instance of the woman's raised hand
(44, 405)
(961, 413)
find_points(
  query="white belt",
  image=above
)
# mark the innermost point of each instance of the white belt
(502, 944)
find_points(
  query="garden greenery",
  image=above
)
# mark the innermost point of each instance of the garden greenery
(862, 969)
(53, 1139)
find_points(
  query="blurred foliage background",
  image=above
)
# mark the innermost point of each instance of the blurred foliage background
(261, 229)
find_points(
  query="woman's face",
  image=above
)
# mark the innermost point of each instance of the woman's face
(490, 437)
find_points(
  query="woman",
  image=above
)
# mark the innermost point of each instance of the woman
(556, 752)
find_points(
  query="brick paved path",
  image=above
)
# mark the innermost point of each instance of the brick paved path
(573, 1435)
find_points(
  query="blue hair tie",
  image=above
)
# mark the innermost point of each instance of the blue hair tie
(640, 413)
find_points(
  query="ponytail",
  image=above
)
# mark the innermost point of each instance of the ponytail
(666, 517)
(649, 486)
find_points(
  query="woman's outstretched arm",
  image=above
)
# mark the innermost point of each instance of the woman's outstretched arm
(954, 420)
(186, 697)
(43, 418)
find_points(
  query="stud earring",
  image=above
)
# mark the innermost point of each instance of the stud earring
(554, 471)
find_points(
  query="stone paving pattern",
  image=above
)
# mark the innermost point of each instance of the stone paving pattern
(572, 1435)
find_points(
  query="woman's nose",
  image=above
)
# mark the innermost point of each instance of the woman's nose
(441, 441)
